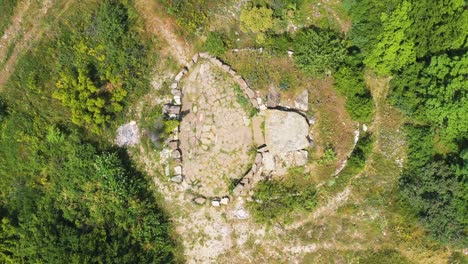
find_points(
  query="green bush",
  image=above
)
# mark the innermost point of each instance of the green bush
(317, 51)
(276, 200)
(215, 44)
(100, 59)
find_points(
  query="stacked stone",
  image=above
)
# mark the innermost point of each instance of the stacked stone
(252, 177)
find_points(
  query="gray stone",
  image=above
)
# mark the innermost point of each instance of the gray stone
(176, 154)
(250, 93)
(302, 101)
(178, 170)
(224, 200)
(268, 161)
(171, 110)
(176, 92)
(177, 100)
(195, 58)
(215, 202)
(199, 200)
(174, 85)
(173, 144)
(262, 149)
(177, 179)
(128, 135)
(238, 190)
(273, 97)
(204, 55)
(258, 159)
(300, 157)
(285, 131)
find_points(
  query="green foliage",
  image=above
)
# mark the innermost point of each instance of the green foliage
(317, 51)
(99, 61)
(215, 44)
(435, 187)
(256, 19)
(244, 101)
(435, 93)
(394, 49)
(329, 155)
(367, 24)
(386, 256)
(192, 15)
(6, 12)
(63, 200)
(349, 81)
(276, 200)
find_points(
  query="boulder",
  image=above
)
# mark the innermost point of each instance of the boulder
(285, 131)
(176, 92)
(177, 179)
(178, 170)
(268, 161)
(258, 159)
(224, 200)
(173, 144)
(273, 97)
(128, 135)
(302, 101)
(199, 200)
(215, 203)
(176, 154)
(238, 190)
(171, 110)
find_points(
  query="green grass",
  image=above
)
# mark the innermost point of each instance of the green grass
(244, 102)
(6, 12)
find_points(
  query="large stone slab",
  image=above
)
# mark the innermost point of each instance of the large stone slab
(285, 131)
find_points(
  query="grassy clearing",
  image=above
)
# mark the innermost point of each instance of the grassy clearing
(6, 12)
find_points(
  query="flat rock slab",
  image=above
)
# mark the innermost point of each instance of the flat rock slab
(285, 131)
(128, 135)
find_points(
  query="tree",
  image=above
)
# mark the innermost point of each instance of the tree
(394, 49)
(436, 93)
(317, 51)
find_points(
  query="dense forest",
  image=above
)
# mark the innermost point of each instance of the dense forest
(68, 195)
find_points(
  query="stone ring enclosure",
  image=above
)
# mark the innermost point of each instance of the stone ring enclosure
(228, 140)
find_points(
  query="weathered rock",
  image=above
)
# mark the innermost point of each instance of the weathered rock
(178, 170)
(177, 100)
(215, 202)
(128, 135)
(224, 200)
(177, 179)
(204, 55)
(268, 161)
(258, 159)
(195, 58)
(302, 101)
(176, 154)
(181, 74)
(171, 110)
(174, 85)
(249, 92)
(176, 92)
(238, 190)
(262, 149)
(285, 131)
(244, 181)
(262, 107)
(199, 200)
(300, 157)
(225, 68)
(173, 144)
(273, 97)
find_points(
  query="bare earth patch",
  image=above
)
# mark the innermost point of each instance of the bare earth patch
(215, 131)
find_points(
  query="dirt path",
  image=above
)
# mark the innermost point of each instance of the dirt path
(163, 28)
(20, 35)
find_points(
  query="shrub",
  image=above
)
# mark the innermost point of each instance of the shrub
(317, 51)
(215, 44)
(276, 200)
(256, 19)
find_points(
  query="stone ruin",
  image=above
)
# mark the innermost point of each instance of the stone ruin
(209, 150)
